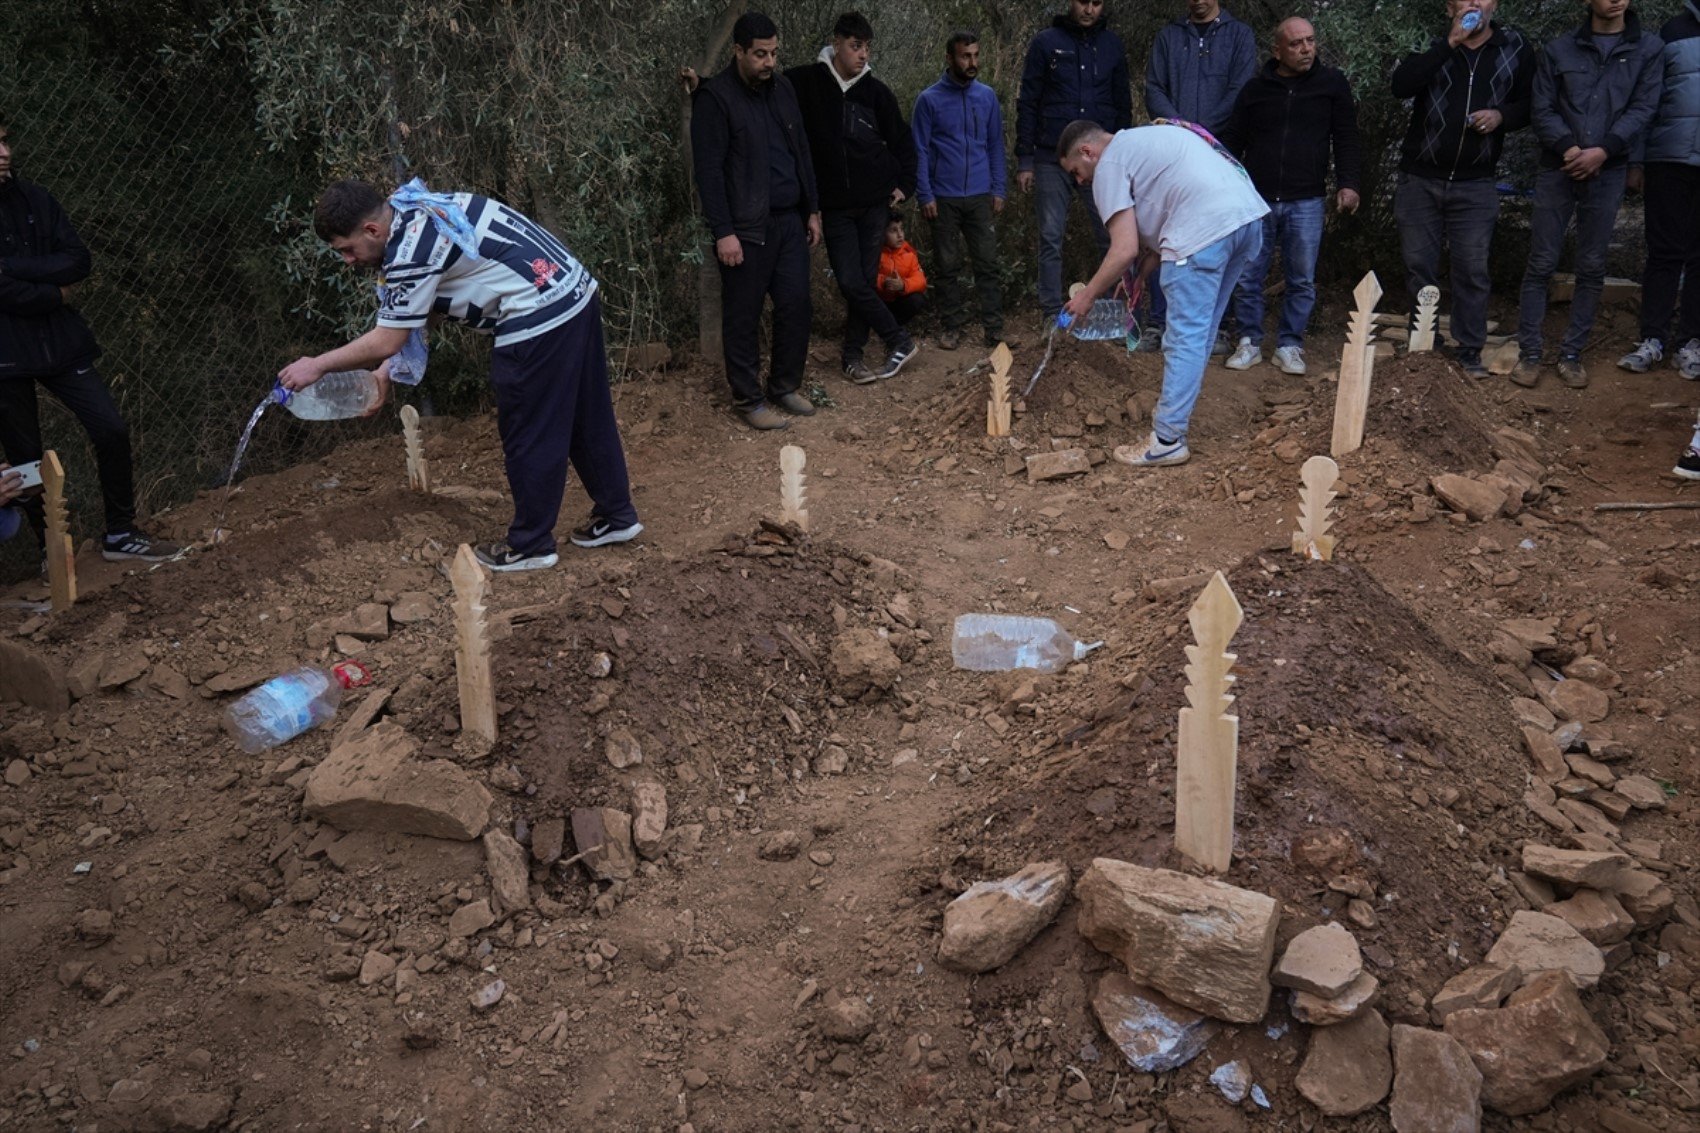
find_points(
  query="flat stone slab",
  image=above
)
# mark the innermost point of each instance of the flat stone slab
(375, 783)
(993, 920)
(1154, 1033)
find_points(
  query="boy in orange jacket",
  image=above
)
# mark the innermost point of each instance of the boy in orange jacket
(902, 283)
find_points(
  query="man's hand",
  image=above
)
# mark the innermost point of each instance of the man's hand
(1486, 121)
(1458, 33)
(897, 197)
(1024, 180)
(1635, 180)
(1079, 305)
(997, 206)
(729, 250)
(1347, 200)
(382, 373)
(11, 484)
(68, 295)
(930, 210)
(1586, 164)
(1150, 259)
(300, 374)
(893, 284)
(688, 79)
(814, 230)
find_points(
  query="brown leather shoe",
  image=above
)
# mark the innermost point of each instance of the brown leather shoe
(795, 404)
(763, 416)
(1572, 374)
(1527, 373)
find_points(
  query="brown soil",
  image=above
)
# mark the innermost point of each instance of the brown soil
(1377, 743)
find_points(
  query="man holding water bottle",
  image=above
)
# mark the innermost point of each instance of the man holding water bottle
(474, 260)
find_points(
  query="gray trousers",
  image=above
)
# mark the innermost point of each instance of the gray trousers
(1594, 204)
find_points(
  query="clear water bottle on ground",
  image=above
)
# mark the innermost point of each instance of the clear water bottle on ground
(287, 705)
(1106, 321)
(334, 397)
(993, 643)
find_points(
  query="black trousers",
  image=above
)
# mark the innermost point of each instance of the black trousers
(778, 266)
(1673, 253)
(906, 307)
(853, 239)
(82, 391)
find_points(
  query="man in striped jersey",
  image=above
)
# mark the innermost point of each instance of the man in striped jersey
(474, 260)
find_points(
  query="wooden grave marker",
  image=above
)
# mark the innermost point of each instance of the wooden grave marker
(61, 551)
(1428, 306)
(472, 646)
(418, 472)
(1207, 754)
(1357, 360)
(998, 408)
(793, 491)
(1312, 538)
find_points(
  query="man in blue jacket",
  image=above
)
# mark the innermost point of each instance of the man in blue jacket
(1672, 217)
(1076, 68)
(1596, 90)
(1197, 66)
(959, 180)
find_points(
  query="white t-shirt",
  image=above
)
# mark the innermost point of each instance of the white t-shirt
(523, 284)
(1185, 195)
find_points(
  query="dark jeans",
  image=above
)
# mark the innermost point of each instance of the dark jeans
(1054, 190)
(906, 307)
(1296, 228)
(553, 406)
(1458, 215)
(1673, 252)
(1594, 203)
(82, 391)
(777, 267)
(963, 232)
(853, 240)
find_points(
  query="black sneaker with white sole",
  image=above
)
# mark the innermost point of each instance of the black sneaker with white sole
(500, 556)
(600, 533)
(897, 359)
(1688, 466)
(134, 545)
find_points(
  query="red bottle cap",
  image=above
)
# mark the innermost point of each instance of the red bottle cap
(351, 674)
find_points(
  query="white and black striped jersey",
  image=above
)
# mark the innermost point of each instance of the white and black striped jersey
(524, 282)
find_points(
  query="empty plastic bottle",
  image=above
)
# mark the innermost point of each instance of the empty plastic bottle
(1106, 321)
(993, 643)
(287, 705)
(334, 397)
(1470, 20)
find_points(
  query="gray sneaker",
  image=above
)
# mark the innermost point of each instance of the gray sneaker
(1245, 356)
(1290, 359)
(1688, 360)
(1647, 353)
(1572, 373)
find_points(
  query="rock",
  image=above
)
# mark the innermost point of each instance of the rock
(622, 749)
(17, 773)
(369, 622)
(1043, 466)
(1592, 770)
(1535, 634)
(96, 926)
(1533, 714)
(190, 1113)
(1154, 1034)
(1588, 868)
(849, 1020)
(1529, 1051)
(604, 836)
(1325, 852)
(547, 839)
(649, 818)
(374, 783)
(1348, 1067)
(128, 1093)
(993, 920)
(1644, 896)
(1641, 792)
(1436, 1086)
(695, 1078)
(1588, 819)
(471, 919)
(169, 681)
(122, 669)
(253, 896)
(1544, 754)
(1324, 961)
(1593, 670)
(1537, 942)
(1482, 987)
(646, 356)
(863, 663)
(1574, 700)
(510, 874)
(834, 760)
(235, 681)
(1349, 1004)
(1599, 917)
(412, 606)
(1233, 1079)
(1205, 944)
(376, 968)
(780, 846)
(489, 995)
(1475, 499)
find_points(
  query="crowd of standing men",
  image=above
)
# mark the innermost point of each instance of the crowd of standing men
(1236, 164)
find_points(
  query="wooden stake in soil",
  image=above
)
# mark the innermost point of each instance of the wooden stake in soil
(1428, 304)
(1207, 755)
(61, 553)
(1312, 539)
(1351, 402)
(998, 408)
(793, 498)
(418, 474)
(472, 647)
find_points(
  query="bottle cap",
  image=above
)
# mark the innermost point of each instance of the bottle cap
(351, 674)
(1470, 20)
(281, 395)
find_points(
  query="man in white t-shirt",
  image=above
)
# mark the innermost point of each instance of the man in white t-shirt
(1169, 195)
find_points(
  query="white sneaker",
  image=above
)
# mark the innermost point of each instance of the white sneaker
(1291, 359)
(1155, 454)
(1245, 356)
(1688, 360)
(1647, 352)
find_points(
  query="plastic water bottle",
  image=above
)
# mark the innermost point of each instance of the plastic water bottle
(1470, 20)
(287, 705)
(334, 397)
(1106, 321)
(993, 643)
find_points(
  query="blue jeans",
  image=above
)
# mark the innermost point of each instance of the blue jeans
(1297, 227)
(1198, 289)
(1594, 203)
(1460, 216)
(1053, 191)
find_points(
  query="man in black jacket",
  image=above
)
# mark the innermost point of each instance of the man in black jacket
(44, 340)
(756, 180)
(1287, 120)
(864, 159)
(1471, 87)
(1596, 91)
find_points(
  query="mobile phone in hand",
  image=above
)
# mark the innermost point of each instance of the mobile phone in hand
(31, 473)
